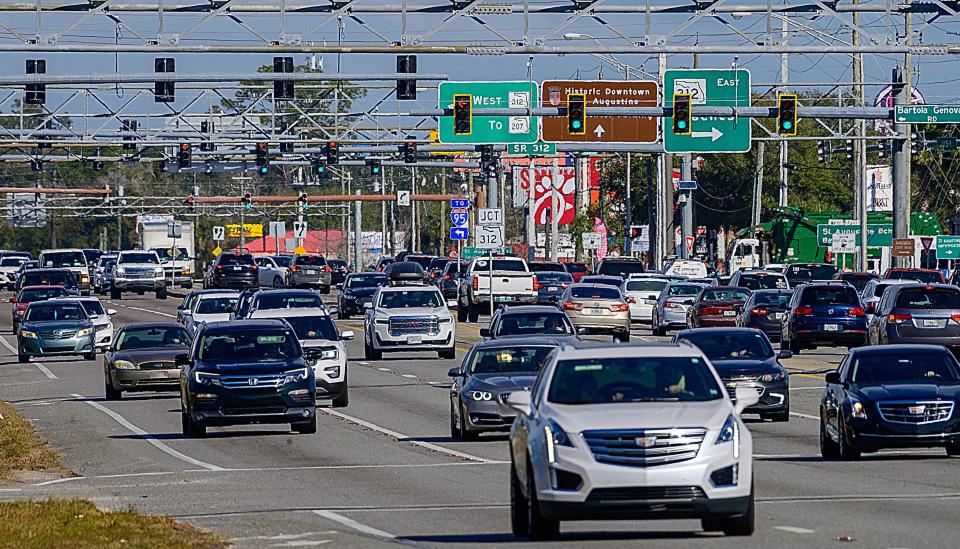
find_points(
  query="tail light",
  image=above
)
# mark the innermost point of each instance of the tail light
(294, 268)
(619, 307)
(448, 277)
(433, 275)
(326, 268)
(758, 311)
(803, 310)
(631, 300)
(857, 311)
(671, 305)
(536, 283)
(572, 306)
(219, 267)
(254, 268)
(564, 285)
(475, 284)
(900, 317)
(955, 317)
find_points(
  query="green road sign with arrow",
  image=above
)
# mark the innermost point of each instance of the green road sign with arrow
(713, 88)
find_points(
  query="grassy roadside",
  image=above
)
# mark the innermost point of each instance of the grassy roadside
(72, 522)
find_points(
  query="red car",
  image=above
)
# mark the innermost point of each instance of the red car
(717, 306)
(923, 276)
(577, 270)
(856, 279)
(29, 294)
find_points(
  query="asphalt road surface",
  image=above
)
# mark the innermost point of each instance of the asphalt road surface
(384, 470)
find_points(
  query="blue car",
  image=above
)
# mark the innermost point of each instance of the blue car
(824, 313)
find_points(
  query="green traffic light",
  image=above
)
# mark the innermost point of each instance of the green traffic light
(682, 124)
(576, 124)
(787, 125)
(263, 169)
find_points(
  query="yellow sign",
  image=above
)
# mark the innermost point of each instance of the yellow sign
(300, 250)
(217, 251)
(250, 230)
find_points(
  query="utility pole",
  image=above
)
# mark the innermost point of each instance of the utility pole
(556, 211)
(669, 231)
(686, 205)
(493, 198)
(578, 201)
(757, 186)
(901, 167)
(652, 220)
(531, 213)
(784, 74)
(628, 207)
(358, 234)
(860, 149)
(384, 243)
(413, 211)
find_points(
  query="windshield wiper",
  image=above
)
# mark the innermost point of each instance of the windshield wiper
(653, 399)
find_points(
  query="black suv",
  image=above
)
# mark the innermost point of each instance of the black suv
(246, 372)
(234, 270)
(358, 290)
(620, 266)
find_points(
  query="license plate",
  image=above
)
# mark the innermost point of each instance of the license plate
(650, 301)
(506, 298)
(236, 268)
(729, 313)
(930, 323)
(553, 289)
(414, 340)
(778, 316)
(311, 272)
(831, 327)
(593, 311)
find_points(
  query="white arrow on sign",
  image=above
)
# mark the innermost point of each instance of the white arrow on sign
(713, 134)
(599, 131)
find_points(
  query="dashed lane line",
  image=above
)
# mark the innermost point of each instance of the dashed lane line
(794, 530)
(141, 309)
(43, 369)
(147, 436)
(354, 525)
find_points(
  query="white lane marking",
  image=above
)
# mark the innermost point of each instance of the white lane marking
(406, 438)
(855, 497)
(156, 443)
(11, 489)
(409, 376)
(350, 523)
(362, 363)
(794, 530)
(282, 537)
(385, 369)
(43, 369)
(806, 389)
(141, 309)
(302, 543)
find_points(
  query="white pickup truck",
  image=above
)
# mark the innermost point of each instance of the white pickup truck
(513, 284)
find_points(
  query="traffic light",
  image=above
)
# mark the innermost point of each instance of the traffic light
(576, 114)
(635, 232)
(462, 114)
(849, 149)
(410, 152)
(486, 155)
(302, 201)
(283, 89)
(882, 148)
(787, 114)
(184, 155)
(915, 144)
(263, 157)
(36, 93)
(163, 92)
(190, 202)
(206, 128)
(317, 166)
(247, 201)
(407, 88)
(128, 140)
(333, 153)
(682, 118)
(375, 167)
(36, 165)
(823, 153)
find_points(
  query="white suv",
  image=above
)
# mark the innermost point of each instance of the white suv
(408, 318)
(630, 432)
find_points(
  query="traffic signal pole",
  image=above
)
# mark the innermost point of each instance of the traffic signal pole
(686, 205)
(901, 168)
(358, 234)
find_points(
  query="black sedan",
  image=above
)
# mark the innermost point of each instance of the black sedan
(891, 396)
(745, 358)
(358, 289)
(489, 373)
(764, 310)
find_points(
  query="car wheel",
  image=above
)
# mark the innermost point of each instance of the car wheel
(89, 356)
(22, 359)
(110, 392)
(742, 525)
(455, 432)
(370, 353)
(622, 338)
(307, 427)
(953, 449)
(847, 452)
(447, 354)
(519, 524)
(473, 312)
(115, 294)
(325, 290)
(540, 527)
(828, 448)
(162, 293)
(342, 399)
(191, 428)
(794, 347)
(461, 313)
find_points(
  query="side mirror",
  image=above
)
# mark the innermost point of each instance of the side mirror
(368, 306)
(347, 335)
(785, 354)
(832, 377)
(520, 401)
(455, 372)
(485, 332)
(451, 303)
(182, 359)
(111, 312)
(338, 286)
(583, 331)
(746, 397)
(334, 310)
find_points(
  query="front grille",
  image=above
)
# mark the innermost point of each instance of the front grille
(57, 334)
(159, 365)
(408, 325)
(915, 412)
(133, 273)
(731, 387)
(644, 447)
(262, 411)
(645, 493)
(252, 381)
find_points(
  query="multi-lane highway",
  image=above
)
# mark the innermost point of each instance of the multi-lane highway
(384, 470)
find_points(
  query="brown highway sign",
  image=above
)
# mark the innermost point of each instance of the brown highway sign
(601, 93)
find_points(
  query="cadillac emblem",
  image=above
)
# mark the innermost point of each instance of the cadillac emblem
(645, 442)
(253, 381)
(917, 410)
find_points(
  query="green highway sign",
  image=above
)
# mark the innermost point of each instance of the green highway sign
(470, 252)
(948, 247)
(927, 114)
(947, 143)
(491, 129)
(713, 88)
(880, 234)
(533, 149)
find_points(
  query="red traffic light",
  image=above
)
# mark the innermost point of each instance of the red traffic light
(184, 146)
(262, 145)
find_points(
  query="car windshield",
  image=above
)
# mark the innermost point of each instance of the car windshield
(173, 337)
(139, 258)
(575, 267)
(729, 346)
(763, 281)
(92, 307)
(310, 260)
(646, 285)
(623, 269)
(235, 259)
(725, 294)
(166, 254)
(925, 277)
(63, 259)
(594, 292)
(263, 261)
(410, 299)
(279, 300)
(40, 294)
(282, 260)
(215, 305)
(54, 312)
(547, 267)
(605, 280)
(438, 264)
(105, 263)
(810, 272)
(534, 323)
(683, 290)
(509, 360)
(830, 295)
(505, 265)
(244, 345)
(928, 298)
(41, 278)
(422, 260)
(337, 263)
(774, 299)
(366, 281)
(12, 261)
(313, 327)
(92, 255)
(633, 379)
(858, 281)
(896, 367)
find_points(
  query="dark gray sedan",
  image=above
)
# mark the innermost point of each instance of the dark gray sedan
(489, 373)
(142, 358)
(55, 328)
(918, 314)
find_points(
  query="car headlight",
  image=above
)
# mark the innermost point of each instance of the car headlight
(446, 320)
(84, 332)
(119, 270)
(158, 270)
(555, 436)
(349, 297)
(381, 322)
(185, 271)
(480, 396)
(294, 376)
(26, 334)
(124, 365)
(767, 378)
(329, 354)
(206, 378)
(857, 410)
(730, 432)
